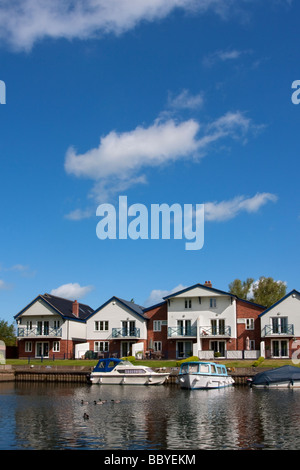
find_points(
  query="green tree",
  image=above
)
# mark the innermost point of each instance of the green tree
(7, 333)
(241, 289)
(266, 291)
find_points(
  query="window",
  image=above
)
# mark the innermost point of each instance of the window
(29, 325)
(56, 324)
(157, 325)
(188, 303)
(101, 326)
(101, 346)
(56, 346)
(157, 345)
(213, 303)
(28, 346)
(249, 323)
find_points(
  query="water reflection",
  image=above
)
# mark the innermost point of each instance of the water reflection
(50, 416)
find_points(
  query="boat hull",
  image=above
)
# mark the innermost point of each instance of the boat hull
(204, 382)
(288, 384)
(116, 379)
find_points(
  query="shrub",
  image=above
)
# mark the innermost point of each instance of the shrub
(258, 362)
(192, 358)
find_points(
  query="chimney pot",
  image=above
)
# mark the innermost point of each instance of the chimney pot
(208, 284)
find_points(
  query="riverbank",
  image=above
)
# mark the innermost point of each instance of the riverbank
(79, 374)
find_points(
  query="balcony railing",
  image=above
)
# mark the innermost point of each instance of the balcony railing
(125, 333)
(279, 330)
(24, 332)
(178, 331)
(215, 331)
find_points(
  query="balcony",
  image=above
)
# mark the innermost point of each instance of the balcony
(182, 332)
(278, 330)
(215, 331)
(38, 332)
(125, 333)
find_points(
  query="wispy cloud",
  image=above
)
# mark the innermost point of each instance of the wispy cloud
(226, 210)
(24, 22)
(72, 291)
(4, 285)
(156, 295)
(121, 158)
(223, 56)
(185, 100)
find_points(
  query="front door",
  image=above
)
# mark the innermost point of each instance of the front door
(126, 348)
(42, 349)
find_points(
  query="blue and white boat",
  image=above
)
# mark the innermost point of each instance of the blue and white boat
(203, 375)
(113, 371)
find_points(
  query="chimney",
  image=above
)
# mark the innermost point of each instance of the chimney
(75, 308)
(208, 284)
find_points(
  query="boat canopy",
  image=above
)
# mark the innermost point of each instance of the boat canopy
(281, 374)
(107, 365)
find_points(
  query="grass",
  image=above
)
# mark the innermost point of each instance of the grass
(149, 363)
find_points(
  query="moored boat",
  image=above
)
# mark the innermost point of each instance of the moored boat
(203, 375)
(281, 377)
(113, 371)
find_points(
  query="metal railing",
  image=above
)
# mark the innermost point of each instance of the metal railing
(281, 330)
(182, 331)
(125, 333)
(215, 331)
(24, 332)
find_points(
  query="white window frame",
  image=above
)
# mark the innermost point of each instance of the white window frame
(101, 346)
(156, 325)
(28, 346)
(101, 325)
(213, 302)
(188, 303)
(56, 346)
(249, 323)
(157, 346)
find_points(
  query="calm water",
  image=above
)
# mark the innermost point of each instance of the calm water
(50, 416)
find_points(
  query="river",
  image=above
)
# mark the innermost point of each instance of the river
(37, 416)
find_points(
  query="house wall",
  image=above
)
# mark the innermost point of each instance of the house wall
(245, 310)
(225, 309)
(115, 312)
(289, 307)
(158, 313)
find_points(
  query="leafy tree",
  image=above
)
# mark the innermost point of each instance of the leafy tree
(266, 291)
(7, 333)
(241, 289)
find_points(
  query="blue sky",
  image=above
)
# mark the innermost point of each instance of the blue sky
(177, 101)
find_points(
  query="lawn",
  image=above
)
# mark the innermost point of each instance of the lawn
(150, 362)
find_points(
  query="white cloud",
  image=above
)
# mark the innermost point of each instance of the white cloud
(79, 214)
(185, 100)
(223, 56)
(116, 164)
(156, 296)
(23, 22)
(4, 285)
(72, 291)
(226, 210)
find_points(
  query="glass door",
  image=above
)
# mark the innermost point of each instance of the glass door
(42, 349)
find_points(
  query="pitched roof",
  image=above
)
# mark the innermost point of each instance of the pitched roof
(210, 289)
(135, 308)
(294, 291)
(62, 306)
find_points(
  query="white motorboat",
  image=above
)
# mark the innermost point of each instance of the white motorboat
(203, 375)
(122, 372)
(281, 377)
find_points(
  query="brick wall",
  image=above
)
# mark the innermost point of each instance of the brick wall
(247, 310)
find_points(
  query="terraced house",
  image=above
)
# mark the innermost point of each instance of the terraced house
(199, 320)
